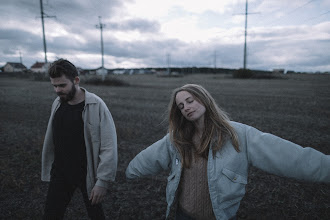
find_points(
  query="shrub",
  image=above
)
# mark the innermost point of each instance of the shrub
(107, 81)
(39, 76)
(243, 74)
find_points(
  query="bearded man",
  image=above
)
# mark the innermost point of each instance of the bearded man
(80, 146)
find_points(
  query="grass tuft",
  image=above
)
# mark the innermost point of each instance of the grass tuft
(107, 81)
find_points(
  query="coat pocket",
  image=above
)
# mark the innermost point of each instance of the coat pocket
(231, 188)
(234, 177)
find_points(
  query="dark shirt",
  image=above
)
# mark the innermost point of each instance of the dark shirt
(68, 135)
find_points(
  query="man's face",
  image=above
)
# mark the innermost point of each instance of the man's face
(64, 88)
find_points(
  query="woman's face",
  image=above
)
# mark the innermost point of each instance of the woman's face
(190, 108)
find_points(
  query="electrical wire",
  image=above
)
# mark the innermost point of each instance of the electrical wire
(313, 18)
(285, 15)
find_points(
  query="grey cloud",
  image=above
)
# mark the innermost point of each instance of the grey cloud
(297, 55)
(141, 49)
(138, 24)
(76, 15)
(18, 6)
(11, 34)
(81, 8)
(19, 39)
(79, 18)
(9, 51)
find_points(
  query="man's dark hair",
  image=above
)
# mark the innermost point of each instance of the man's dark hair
(62, 67)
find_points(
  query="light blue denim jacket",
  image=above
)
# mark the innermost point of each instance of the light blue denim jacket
(227, 171)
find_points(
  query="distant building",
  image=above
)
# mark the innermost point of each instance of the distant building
(88, 72)
(14, 67)
(290, 72)
(101, 71)
(280, 71)
(40, 67)
(81, 71)
(140, 71)
(119, 71)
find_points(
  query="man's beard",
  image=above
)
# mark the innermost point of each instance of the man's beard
(69, 96)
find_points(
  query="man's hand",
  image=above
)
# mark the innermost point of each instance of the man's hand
(97, 194)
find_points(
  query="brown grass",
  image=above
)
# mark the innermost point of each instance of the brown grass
(296, 108)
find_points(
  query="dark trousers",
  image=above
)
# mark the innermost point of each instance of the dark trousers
(59, 195)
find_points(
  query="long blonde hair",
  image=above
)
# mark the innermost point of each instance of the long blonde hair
(217, 128)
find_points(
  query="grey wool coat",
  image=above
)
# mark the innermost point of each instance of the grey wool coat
(100, 139)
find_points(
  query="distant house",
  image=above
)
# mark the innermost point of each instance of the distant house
(88, 72)
(40, 67)
(278, 71)
(14, 67)
(119, 71)
(101, 71)
(81, 71)
(140, 71)
(290, 72)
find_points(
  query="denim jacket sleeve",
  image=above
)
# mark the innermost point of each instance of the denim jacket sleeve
(284, 158)
(151, 160)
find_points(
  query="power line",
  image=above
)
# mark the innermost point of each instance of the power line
(292, 11)
(301, 6)
(312, 18)
(65, 13)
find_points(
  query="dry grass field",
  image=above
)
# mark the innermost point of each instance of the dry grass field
(296, 108)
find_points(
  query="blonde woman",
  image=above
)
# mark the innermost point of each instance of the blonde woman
(208, 157)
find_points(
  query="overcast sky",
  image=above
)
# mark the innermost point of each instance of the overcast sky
(293, 35)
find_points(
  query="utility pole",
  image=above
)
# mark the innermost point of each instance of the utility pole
(215, 60)
(168, 63)
(246, 13)
(101, 26)
(43, 28)
(245, 34)
(20, 57)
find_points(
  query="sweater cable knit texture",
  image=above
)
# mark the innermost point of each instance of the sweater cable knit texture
(194, 198)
